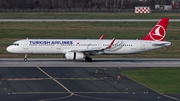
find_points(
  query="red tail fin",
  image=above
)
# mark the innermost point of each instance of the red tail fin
(159, 30)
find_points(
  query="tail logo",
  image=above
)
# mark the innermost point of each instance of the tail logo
(158, 33)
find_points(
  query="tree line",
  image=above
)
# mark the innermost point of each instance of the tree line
(79, 4)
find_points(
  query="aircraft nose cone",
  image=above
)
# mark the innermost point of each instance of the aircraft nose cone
(9, 49)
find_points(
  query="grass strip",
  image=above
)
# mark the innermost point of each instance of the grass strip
(164, 80)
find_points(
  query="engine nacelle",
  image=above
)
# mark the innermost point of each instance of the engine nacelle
(74, 55)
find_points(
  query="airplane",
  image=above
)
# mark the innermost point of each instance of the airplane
(75, 49)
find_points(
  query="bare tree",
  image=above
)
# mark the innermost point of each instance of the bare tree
(122, 2)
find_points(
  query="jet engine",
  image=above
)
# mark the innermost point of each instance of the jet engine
(74, 55)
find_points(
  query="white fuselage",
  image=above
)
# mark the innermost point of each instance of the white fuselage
(61, 46)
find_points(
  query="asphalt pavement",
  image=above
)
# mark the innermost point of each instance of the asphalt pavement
(73, 84)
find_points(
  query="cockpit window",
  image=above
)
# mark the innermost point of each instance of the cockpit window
(15, 44)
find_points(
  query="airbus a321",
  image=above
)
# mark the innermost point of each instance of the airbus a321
(74, 49)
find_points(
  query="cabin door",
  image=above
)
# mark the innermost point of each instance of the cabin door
(142, 46)
(25, 44)
(58, 46)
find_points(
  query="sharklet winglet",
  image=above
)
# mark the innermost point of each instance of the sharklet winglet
(111, 44)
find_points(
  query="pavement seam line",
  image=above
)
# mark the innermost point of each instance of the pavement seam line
(68, 92)
(54, 80)
(29, 79)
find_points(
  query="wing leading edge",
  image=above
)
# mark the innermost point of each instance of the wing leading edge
(97, 49)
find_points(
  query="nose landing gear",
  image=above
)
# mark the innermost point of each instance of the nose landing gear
(25, 57)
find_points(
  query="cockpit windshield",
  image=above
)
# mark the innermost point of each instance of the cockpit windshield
(15, 44)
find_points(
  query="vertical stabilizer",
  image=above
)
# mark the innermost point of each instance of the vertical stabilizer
(159, 31)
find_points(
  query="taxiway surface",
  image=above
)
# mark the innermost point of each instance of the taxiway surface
(72, 84)
(97, 62)
(41, 80)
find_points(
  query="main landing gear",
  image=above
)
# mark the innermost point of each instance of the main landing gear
(88, 59)
(25, 57)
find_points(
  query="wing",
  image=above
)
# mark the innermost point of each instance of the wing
(97, 49)
(89, 50)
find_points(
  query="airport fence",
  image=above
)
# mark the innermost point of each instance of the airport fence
(86, 10)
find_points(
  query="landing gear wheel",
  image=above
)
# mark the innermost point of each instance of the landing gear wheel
(88, 59)
(25, 59)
